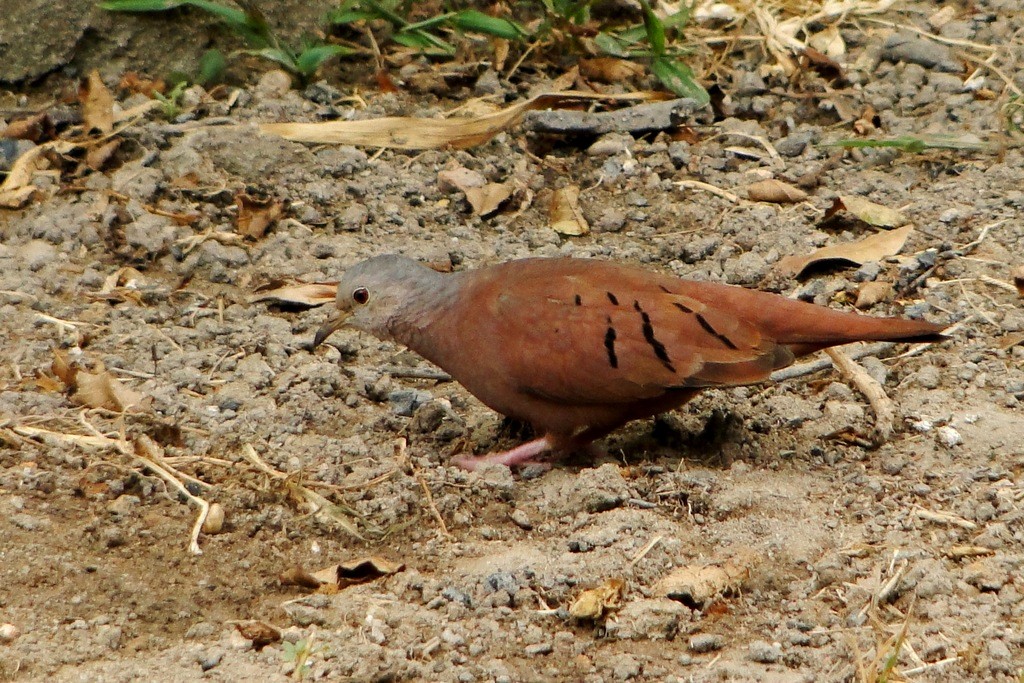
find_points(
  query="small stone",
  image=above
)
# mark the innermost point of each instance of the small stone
(487, 84)
(209, 660)
(625, 667)
(763, 652)
(200, 630)
(8, 632)
(795, 144)
(123, 505)
(274, 84)
(997, 649)
(928, 377)
(539, 649)
(214, 522)
(948, 436)
(903, 47)
(521, 520)
(706, 642)
(353, 217)
(611, 220)
(611, 144)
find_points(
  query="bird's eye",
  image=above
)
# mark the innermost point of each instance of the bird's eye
(361, 295)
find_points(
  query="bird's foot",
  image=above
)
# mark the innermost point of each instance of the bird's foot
(520, 455)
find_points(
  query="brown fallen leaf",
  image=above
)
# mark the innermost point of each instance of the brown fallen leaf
(775, 191)
(1008, 341)
(362, 570)
(564, 215)
(102, 390)
(400, 132)
(867, 211)
(871, 293)
(34, 128)
(256, 215)
(459, 178)
(259, 632)
(489, 198)
(298, 576)
(858, 252)
(695, 585)
(594, 603)
(97, 105)
(309, 294)
(610, 69)
(136, 84)
(99, 155)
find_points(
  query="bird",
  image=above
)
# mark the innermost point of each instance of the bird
(578, 347)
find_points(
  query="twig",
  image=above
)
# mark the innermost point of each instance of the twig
(646, 549)
(824, 363)
(928, 667)
(417, 373)
(148, 453)
(402, 457)
(717, 191)
(882, 405)
(945, 518)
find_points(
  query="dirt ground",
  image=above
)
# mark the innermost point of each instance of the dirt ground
(843, 561)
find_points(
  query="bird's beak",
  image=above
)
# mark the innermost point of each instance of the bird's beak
(330, 327)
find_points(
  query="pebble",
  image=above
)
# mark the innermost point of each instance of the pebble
(8, 632)
(214, 522)
(611, 144)
(536, 649)
(611, 220)
(274, 84)
(625, 667)
(209, 660)
(521, 520)
(902, 47)
(763, 652)
(706, 642)
(596, 490)
(948, 436)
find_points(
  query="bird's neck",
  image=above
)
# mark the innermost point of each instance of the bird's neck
(422, 319)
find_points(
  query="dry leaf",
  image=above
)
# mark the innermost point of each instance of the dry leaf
(256, 215)
(867, 211)
(487, 199)
(97, 156)
(97, 105)
(459, 178)
(870, 293)
(259, 632)
(362, 570)
(297, 293)
(564, 215)
(829, 43)
(695, 585)
(775, 191)
(858, 252)
(136, 84)
(17, 189)
(35, 128)
(298, 576)
(610, 69)
(62, 369)
(594, 603)
(1008, 341)
(399, 132)
(103, 390)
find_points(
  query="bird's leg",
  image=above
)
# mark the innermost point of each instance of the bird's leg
(520, 455)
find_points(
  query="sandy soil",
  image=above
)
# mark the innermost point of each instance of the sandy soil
(841, 557)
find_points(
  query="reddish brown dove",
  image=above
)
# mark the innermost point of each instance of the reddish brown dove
(579, 347)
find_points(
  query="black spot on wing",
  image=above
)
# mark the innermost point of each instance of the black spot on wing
(648, 331)
(714, 333)
(611, 297)
(664, 289)
(681, 307)
(609, 345)
(579, 300)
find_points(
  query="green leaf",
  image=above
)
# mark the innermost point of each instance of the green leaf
(478, 22)
(312, 58)
(339, 17)
(229, 14)
(211, 67)
(655, 29)
(276, 54)
(679, 78)
(421, 40)
(680, 19)
(610, 44)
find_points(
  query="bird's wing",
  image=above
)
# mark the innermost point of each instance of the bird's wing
(619, 336)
